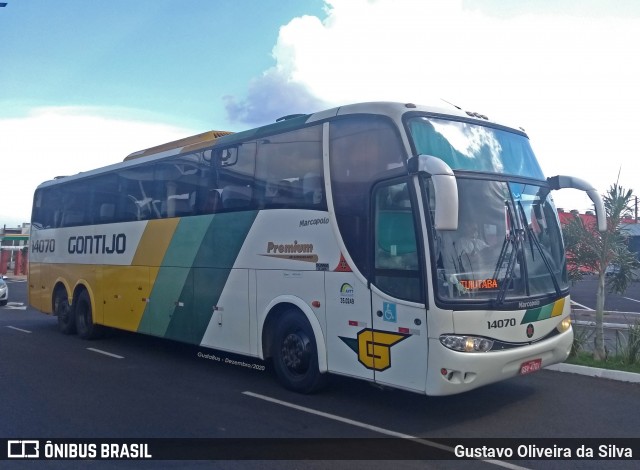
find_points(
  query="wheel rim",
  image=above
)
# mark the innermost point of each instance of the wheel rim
(296, 352)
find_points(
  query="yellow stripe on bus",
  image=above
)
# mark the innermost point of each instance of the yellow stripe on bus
(558, 308)
(127, 288)
(154, 242)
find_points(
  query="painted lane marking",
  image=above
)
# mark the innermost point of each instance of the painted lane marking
(100, 351)
(15, 306)
(634, 300)
(388, 432)
(19, 329)
(583, 306)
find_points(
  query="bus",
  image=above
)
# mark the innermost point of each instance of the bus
(410, 246)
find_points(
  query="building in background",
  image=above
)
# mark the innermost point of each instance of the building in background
(633, 232)
(629, 226)
(14, 243)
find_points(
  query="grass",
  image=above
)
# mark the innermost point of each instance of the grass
(623, 355)
(613, 363)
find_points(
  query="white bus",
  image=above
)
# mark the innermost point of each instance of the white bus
(410, 246)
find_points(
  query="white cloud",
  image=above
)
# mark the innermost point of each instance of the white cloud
(271, 96)
(571, 81)
(51, 142)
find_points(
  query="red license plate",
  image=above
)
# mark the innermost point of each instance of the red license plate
(530, 366)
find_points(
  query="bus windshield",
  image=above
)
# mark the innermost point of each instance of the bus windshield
(466, 146)
(508, 245)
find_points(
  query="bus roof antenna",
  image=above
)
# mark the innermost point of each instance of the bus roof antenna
(454, 105)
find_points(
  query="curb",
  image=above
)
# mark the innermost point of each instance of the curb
(618, 375)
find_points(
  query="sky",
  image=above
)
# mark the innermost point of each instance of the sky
(85, 83)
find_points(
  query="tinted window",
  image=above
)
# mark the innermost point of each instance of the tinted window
(284, 170)
(75, 205)
(363, 149)
(289, 170)
(47, 208)
(131, 187)
(235, 169)
(395, 248)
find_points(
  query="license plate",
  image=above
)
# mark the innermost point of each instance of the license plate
(530, 366)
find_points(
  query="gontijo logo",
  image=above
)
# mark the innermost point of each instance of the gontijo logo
(373, 347)
(95, 244)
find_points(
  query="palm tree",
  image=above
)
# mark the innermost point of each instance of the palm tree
(598, 250)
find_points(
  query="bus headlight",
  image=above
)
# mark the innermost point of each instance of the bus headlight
(466, 343)
(565, 324)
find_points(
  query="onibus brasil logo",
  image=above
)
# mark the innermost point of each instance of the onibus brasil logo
(373, 347)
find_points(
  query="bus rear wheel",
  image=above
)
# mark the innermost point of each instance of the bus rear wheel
(87, 329)
(295, 355)
(66, 317)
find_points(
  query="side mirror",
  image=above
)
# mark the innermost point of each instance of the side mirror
(445, 188)
(562, 182)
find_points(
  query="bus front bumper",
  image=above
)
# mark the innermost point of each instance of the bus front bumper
(451, 372)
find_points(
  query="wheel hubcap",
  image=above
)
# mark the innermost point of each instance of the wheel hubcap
(295, 352)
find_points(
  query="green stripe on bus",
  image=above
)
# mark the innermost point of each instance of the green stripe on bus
(537, 314)
(193, 274)
(211, 267)
(166, 293)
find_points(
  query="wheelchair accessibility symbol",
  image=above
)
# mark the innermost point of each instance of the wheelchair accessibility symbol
(389, 312)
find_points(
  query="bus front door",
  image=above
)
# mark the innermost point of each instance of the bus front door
(397, 344)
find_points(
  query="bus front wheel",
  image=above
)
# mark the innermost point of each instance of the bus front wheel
(295, 355)
(66, 318)
(87, 329)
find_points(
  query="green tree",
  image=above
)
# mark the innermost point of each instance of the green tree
(597, 250)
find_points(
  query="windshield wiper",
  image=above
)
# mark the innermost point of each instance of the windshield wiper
(534, 239)
(515, 238)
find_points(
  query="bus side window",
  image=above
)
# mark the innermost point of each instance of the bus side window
(235, 176)
(396, 263)
(75, 201)
(135, 199)
(107, 212)
(104, 198)
(363, 149)
(236, 197)
(47, 209)
(212, 202)
(289, 170)
(312, 189)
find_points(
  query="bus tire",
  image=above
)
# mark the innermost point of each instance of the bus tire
(65, 314)
(295, 355)
(87, 329)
